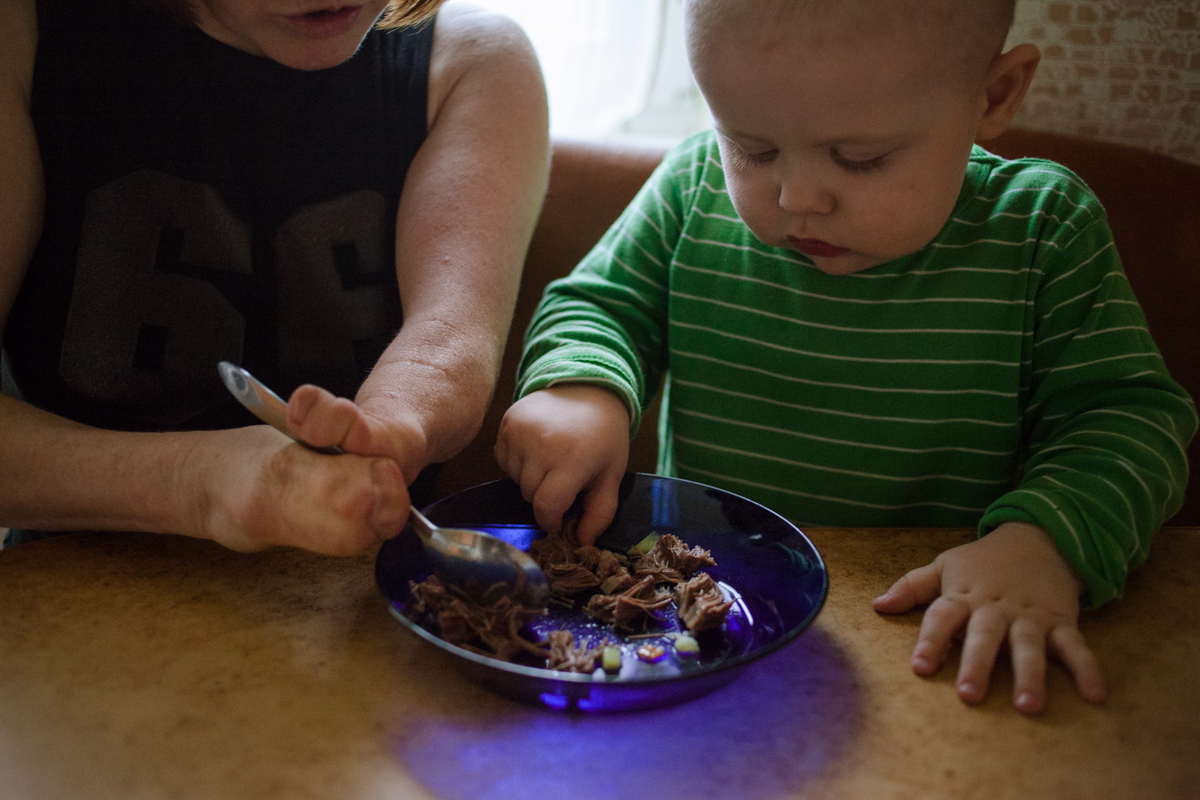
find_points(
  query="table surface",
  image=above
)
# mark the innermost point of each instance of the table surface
(145, 666)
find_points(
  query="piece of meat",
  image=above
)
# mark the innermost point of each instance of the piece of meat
(701, 604)
(565, 656)
(671, 561)
(492, 629)
(631, 609)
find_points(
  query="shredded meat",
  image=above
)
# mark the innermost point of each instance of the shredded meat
(701, 604)
(565, 656)
(630, 610)
(624, 599)
(671, 561)
(492, 629)
(572, 569)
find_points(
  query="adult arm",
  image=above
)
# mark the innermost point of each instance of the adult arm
(470, 202)
(246, 488)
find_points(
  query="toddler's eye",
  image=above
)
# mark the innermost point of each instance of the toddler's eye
(745, 159)
(850, 165)
(761, 158)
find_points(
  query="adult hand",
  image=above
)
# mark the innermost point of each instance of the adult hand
(1010, 586)
(558, 442)
(323, 420)
(261, 489)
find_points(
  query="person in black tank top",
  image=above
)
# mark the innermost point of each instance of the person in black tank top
(326, 202)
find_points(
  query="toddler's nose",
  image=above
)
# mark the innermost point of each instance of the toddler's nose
(799, 195)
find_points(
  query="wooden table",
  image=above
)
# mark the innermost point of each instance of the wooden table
(142, 666)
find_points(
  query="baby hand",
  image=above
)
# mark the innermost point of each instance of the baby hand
(563, 440)
(1012, 585)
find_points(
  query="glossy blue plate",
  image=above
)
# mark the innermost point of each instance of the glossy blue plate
(770, 570)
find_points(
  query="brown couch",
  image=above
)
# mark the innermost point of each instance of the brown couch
(1153, 204)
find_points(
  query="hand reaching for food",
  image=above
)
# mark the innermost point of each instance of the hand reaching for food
(558, 442)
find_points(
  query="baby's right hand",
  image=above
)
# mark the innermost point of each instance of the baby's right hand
(560, 441)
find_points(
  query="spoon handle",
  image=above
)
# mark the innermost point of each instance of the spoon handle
(262, 402)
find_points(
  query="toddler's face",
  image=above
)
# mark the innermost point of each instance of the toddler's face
(852, 152)
(303, 34)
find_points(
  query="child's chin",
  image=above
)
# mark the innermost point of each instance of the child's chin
(844, 265)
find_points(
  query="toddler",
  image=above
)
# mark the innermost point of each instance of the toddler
(865, 319)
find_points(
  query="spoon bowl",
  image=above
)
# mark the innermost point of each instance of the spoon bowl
(477, 563)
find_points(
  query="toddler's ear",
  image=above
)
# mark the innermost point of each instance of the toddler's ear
(1008, 79)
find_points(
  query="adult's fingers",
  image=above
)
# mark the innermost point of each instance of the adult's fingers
(321, 419)
(1068, 646)
(391, 507)
(1027, 641)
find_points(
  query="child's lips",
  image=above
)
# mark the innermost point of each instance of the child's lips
(325, 23)
(818, 248)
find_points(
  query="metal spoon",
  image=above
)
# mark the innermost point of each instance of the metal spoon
(476, 562)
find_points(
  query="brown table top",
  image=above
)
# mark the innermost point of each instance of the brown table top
(143, 666)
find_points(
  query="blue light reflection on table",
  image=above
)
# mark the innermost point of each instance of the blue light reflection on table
(768, 733)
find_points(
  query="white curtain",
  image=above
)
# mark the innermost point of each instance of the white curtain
(599, 58)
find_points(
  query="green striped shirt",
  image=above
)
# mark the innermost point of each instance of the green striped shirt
(1003, 372)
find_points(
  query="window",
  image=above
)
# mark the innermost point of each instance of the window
(615, 69)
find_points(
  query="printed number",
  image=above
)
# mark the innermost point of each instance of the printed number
(338, 302)
(138, 332)
(148, 324)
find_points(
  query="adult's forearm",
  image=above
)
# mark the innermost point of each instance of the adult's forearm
(470, 202)
(56, 474)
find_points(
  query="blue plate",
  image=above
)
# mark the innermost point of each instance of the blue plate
(770, 570)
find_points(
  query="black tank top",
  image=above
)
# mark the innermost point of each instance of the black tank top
(204, 204)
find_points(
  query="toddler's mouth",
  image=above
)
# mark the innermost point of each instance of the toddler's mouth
(818, 248)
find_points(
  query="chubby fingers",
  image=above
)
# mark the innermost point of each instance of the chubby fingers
(945, 617)
(599, 506)
(1027, 641)
(986, 631)
(916, 587)
(1068, 646)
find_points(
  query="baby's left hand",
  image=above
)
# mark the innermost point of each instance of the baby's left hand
(1012, 585)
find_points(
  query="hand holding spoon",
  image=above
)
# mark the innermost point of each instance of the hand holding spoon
(471, 560)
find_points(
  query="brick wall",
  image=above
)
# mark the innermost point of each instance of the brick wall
(1122, 71)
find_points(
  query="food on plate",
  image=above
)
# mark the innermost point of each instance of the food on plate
(566, 656)
(491, 629)
(687, 646)
(701, 604)
(651, 653)
(623, 592)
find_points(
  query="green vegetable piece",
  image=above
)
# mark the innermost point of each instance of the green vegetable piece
(610, 659)
(645, 545)
(687, 646)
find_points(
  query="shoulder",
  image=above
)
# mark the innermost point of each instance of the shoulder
(18, 32)
(1025, 200)
(471, 42)
(1031, 182)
